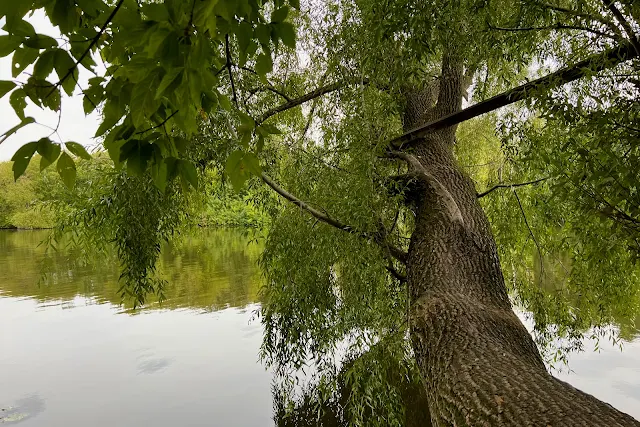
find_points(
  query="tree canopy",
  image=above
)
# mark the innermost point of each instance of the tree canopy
(332, 106)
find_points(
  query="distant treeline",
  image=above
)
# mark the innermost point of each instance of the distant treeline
(24, 203)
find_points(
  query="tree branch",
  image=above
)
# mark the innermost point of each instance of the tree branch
(395, 252)
(301, 100)
(228, 65)
(556, 27)
(447, 199)
(589, 66)
(94, 41)
(484, 193)
(624, 24)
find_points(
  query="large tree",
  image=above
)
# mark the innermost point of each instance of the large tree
(384, 253)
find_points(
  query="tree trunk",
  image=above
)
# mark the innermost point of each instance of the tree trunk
(479, 364)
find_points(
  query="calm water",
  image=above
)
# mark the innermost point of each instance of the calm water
(70, 355)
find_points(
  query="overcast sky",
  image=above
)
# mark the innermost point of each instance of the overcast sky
(74, 125)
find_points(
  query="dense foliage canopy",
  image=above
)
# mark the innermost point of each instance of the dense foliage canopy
(310, 99)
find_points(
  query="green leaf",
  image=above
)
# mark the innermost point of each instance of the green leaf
(189, 173)
(40, 41)
(67, 170)
(44, 66)
(22, 58)
(20, 28)
(252, 163)
(64, 63)
(111, 115)
(49, 152)
(167, 80)
(279, 15)
(8, 44)
(5, 87)
(264, 65)
(21, 159)
(77, 150)
(287, 34)
(48, 149)
(18, 102)
(271, 129)
(159, 174)
(16, 128)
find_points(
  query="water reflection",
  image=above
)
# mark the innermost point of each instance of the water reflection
(68, 356)
(192, 361)
(208, 271)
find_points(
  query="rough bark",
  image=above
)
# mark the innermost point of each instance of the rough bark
(479, 364)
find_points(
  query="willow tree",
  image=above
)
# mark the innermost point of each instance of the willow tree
(382, 253)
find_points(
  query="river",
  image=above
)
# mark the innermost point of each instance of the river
(71, 355)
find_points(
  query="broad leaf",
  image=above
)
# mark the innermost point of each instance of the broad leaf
(21, 159)
(16, 128)
(67, 170)
(77, 150)
(5, 87)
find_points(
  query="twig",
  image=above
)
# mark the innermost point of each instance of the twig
(159, 125)
(556, 27)
(304, 98)
(524, 216)
(94, 41)
(521, 184)
(229, 64)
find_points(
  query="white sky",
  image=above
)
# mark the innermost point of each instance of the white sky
(74, 125)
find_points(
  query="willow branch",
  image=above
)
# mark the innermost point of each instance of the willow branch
(591, 65)
(521, 184)
(94, 41)
(556, 27)
(304, 98)
(395, 252)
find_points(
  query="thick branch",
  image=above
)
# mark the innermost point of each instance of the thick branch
(228, 65)
(521, 184)
(395, 252)
(301, 100)
(589, 66)
(447, 199)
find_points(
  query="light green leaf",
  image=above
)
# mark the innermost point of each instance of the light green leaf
(67, 170)
(16, 128)
(77, 150)
(5, 87)
(252, 163)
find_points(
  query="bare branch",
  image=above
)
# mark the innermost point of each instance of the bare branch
(589, 66)
(270, 89)
(524, 216)
(521, 184)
